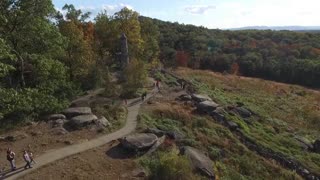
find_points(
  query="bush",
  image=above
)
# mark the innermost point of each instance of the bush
(28, 103)
(168, 165)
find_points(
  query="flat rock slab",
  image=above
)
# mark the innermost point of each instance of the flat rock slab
(207, 106)
(200, 97)
(199, 161)
(139, 141)
(83, 120)
(77, 111)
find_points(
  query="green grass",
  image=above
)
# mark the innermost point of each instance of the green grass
(295, 109)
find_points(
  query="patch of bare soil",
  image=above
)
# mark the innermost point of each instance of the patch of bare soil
(40, 138)
(106, 162)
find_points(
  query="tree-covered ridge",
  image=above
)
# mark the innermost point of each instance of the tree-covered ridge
(286, 56)
(46, 58)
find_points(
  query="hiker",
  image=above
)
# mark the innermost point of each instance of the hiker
(26, 158)
(32, 159)
(10, 157)
(143, 95)
(125, 102)
(158, 85)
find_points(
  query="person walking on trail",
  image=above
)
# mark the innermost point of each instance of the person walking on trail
(158, 85)
(143, 95)
(27, 159)
(32, 159)
(11, 158)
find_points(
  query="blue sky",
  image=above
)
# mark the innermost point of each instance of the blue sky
(213, 13)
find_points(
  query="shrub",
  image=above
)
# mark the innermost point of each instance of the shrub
(18, 105)
(168, 165)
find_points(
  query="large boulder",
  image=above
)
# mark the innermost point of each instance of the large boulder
(103, 122)
(184, 97)
(139, 141)
(83, 120)
(155, 131)
(232, 125)
(77, 111)
(207, 106)
(316, 146)
(243, 112)
(200, 97)
(218, 114)
(56, 117)
(199, 161)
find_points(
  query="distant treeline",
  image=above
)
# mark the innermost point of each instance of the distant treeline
(285, 56)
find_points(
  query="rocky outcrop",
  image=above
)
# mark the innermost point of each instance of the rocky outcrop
(243, 112)
(103, 122)
(83, 120)
(138, 142)
(206, 107)
(184, 97)
(156, 145)
(77, 111)
(199, 161)
(200, 97)
(56, 116)
(155, 131)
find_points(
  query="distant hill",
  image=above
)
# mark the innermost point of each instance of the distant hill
(279, 28)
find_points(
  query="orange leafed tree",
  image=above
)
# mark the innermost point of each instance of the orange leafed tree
(234, 69)
(182, 58)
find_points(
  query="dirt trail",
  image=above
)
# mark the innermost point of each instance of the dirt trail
(54, 155)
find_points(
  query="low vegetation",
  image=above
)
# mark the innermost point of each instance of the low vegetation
(232, 159)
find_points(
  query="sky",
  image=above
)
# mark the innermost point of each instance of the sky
(220, 14)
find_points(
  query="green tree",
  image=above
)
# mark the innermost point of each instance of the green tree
(127, 22)
(135, 76)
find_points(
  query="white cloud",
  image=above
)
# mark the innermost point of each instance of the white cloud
(199, 9)
(112, 8)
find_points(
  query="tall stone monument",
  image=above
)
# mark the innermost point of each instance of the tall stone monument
(124, 51)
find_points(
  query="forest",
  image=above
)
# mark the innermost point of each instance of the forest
(285, 56)
(47, 57)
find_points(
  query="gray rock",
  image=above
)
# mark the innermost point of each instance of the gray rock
(207, 106)
(199, 161)
(140, 141)
(243, 112)
(155, 131)
(316, 146)
(232, 125)
(200, 97)
(304, 143)
(103, 122)
(77, 111)
(156, 145)
(184, 97)
(83, 120)
(218, 114)
(175, 135)
(58, 123)
(56, 116)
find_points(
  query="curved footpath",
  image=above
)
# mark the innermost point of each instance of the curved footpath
(54, 155)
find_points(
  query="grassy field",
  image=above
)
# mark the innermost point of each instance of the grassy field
(283, 113)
